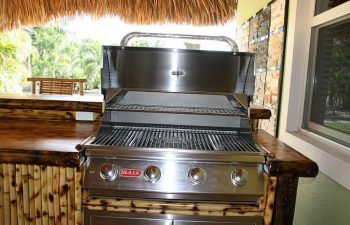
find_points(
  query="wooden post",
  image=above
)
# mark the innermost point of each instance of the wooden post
(285, 200)
(33, 87)
(81, 88)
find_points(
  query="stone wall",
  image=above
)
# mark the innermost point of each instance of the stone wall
(264, 35)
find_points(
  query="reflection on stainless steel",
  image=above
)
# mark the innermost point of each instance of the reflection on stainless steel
(108, 172)
(152, 174)
(233, 45)
(195, 70)
(196, 175)
(239, 177)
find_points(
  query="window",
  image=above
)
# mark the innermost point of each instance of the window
(324, 5)
(314, 53)
(328, 108)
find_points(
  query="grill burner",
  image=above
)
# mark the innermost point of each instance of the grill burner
(175, 137)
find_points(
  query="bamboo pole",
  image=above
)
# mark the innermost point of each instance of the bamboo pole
(13, 199)
(44, 204)
(19, 193)
(25, 183)
(37, 195)
(31, 195)
(2, 219)
(7, 216)
(50, 184)
(56, 197)
(70, 183)
(63, 196)
(77, 197)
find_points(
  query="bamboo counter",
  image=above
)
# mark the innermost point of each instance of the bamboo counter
(41, 173)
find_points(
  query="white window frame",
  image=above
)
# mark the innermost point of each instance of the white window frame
(332, 158)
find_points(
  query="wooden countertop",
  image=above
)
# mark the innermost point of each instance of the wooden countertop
(53, 143)
(51, 102)
(284, 160)
(43, 142)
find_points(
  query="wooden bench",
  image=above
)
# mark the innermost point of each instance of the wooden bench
(61, 86)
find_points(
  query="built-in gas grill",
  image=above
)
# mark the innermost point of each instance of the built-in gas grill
(180, 142)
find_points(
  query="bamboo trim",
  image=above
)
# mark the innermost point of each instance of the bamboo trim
(44, 196)
(63, 196)
(25, 182)
(77, 197)
(270, 199)
(31, 195)
(56, 196)
(1, 195)
(6, 195)
(51, 206)
(13, 198)
(19, 193)
(37, 195)
(70, 194)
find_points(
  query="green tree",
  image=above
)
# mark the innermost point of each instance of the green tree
(15, 51)
(60, 57)
(90, 58)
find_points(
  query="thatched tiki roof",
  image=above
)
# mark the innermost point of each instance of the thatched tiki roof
(16, 13)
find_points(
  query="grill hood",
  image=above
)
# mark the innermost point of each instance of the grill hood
(177, 70)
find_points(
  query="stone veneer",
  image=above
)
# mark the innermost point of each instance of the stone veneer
(264, 35)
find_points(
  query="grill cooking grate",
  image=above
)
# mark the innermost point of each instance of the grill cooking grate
(179, 138)
(180, 109)
(234, 108)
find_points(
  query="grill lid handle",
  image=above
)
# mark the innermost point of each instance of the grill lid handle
(233, 45)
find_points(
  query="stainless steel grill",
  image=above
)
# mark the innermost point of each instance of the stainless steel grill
(173, 130)
(180, 138)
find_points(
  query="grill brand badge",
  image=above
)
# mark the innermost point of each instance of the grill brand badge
(130, 172)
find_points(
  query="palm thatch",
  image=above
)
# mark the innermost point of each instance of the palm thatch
(16, 13)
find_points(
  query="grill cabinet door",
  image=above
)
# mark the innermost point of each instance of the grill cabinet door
(105, 220)
(179, 222)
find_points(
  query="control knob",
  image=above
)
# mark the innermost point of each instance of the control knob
(108, 171)
(152, 174)
(239, 177)
(196, 175)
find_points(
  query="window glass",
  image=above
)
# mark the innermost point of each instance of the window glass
(330, 105)
(324, 5)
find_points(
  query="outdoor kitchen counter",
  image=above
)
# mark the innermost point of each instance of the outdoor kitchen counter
(53, 143)
(43, 142)
(283, 160)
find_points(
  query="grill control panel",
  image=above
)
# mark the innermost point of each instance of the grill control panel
(172, 177)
